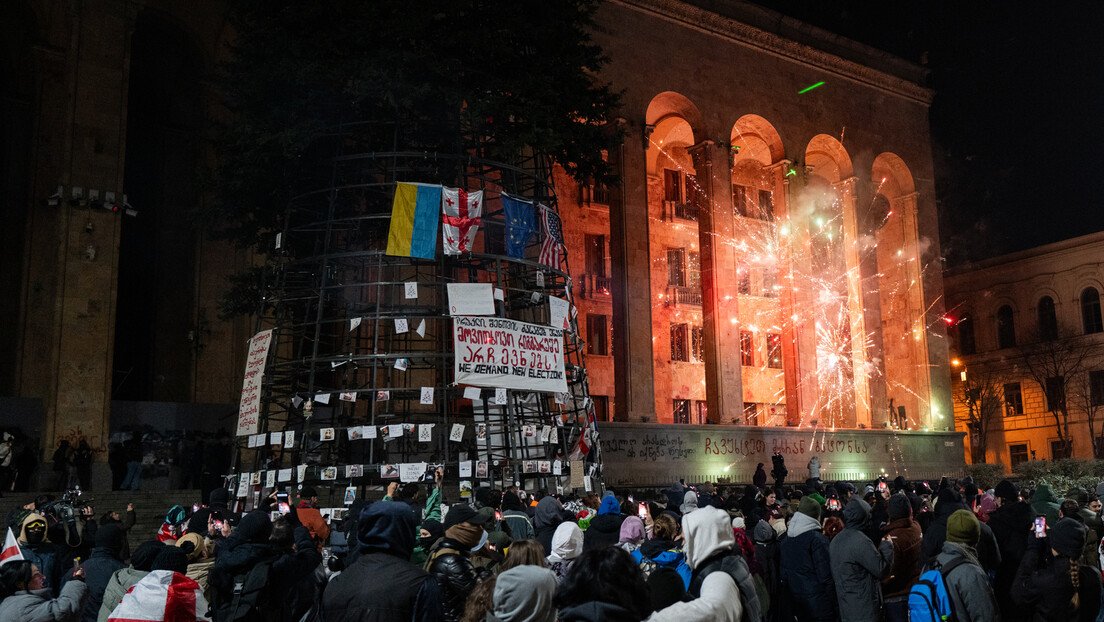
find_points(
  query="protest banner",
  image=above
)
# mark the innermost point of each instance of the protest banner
(249, 409)
(503, 353)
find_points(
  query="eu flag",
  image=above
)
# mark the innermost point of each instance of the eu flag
(520, 225)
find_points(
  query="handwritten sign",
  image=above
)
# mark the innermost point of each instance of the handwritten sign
(497, 352)
(471, 299)
(249, 409)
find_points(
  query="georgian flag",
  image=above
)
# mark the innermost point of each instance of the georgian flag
(162, 596)
(461, 212)
(11, 550)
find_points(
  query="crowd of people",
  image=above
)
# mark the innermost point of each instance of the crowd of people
(813, 552)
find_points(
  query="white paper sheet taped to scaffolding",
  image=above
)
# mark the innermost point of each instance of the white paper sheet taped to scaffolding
(497, 352)
(471, 299)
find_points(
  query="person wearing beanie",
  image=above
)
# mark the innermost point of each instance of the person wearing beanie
(1045, 503)
(382, 579)
(604, 528)
(450, 560)
(967, 583)
(1051, 584)
(805, 566)
(141, 563)
(171, 558)
(1009, 522)
(103, 562)
(906, 536)
(949, 501)
(311, 517)
(524, 594)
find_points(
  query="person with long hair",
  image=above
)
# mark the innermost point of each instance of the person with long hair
(26, 599)
(1052, 581)
(603, 584)
(524, 553)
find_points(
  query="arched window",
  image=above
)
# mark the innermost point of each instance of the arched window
(1090, 311)
(965, 326)
(1048, 322)
(1006, 328)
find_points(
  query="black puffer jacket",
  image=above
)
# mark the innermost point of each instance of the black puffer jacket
(456, 576)
(1009, 523)
(1043, 584)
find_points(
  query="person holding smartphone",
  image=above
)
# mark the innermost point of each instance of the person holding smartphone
(1051, 580)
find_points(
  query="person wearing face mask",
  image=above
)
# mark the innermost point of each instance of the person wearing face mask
(47, 556)
(450, 560)
(429, 533)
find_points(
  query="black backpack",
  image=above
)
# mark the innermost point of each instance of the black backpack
(249, 601)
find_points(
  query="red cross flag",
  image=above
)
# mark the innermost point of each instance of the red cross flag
(162, 596)
(11, 550)
(462, 211)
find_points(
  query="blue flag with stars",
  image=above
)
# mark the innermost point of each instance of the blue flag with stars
(521, 224)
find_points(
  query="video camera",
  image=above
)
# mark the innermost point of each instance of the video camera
(66, 509)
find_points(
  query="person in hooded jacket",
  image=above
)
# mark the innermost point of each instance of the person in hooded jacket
(198, 550)
(805, 568)
(450, 560)
(858, 567)
(759, 479)
(513, 514)
(382, 585)
(711, 547)
(967, 583)
(604, 528)
(632, 534)
(1045, 503)
(662, 551)
(568, 543)
(814, 468)
(104, 562)
(1009, 522)
(219, 501)
(719, 602)
(948, 503)
(603, 585)
(907, 538)
(1050, 580)
(689, 502)
(26, 598)
(50, 558)
(524, 594)
(547, 518)
(141, 563)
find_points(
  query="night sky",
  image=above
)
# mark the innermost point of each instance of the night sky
(1018, 116)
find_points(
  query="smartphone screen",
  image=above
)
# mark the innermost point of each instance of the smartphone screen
(284, 507)
(1040, 526)
(882, 487)
(195, 508)
(498, 515)
(642, 510)
(217, 524)
(631, 500)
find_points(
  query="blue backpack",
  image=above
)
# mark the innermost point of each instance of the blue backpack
(928, 600)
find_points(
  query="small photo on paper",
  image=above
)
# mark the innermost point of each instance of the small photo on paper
(255, 478)
(327, 434)
(350, 495)
(389, 471)
(481, 431)
(329, 473)
(544, 466)
(530, 466)
(465, 489)
(481, 468)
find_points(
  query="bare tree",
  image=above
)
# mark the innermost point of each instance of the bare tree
(983, 395)
(1082, 398)
(1054, 364)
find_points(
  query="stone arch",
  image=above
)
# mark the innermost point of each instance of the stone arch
(158, 251)
(18, 34)
(671, 119)
(757, 139)
(826, 157)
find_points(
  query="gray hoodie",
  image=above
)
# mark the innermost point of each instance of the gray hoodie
(858, 567)
(40, 606)
(117, 587)
(709, 545)
(524, 594)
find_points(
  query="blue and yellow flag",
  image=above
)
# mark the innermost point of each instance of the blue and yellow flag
(414, 218)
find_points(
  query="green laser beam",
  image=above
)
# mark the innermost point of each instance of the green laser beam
(809, 88)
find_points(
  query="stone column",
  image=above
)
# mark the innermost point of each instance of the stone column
(720, 312)
(632, 306)
(845, 191)
(916, 311)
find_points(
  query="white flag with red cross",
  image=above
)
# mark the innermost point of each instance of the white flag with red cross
(462, 211)
(11, 550)
(162, 596)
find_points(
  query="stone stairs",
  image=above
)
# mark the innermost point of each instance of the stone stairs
(150, 507)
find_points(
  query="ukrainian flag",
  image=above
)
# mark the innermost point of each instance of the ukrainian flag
(414, 219)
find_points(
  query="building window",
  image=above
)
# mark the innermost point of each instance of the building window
(672, 189)
(676, 271)
(680, 346)
(597, 333)
(693, 270)
(774, 351)
(1013, 399)
(1017, 454)
(681, 411)
(770, 280)
(740, 200)
(1006, 328)
(601, 407)
(1090, 311)
(1060, 450)
(747, 349)
(965, 326)
(1056, 393)
(1048, 322)
(596, 255)
(697, 344)
(751, 413)
(1096, 388)
(701, 408)
(766, 205)
(743, 281)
